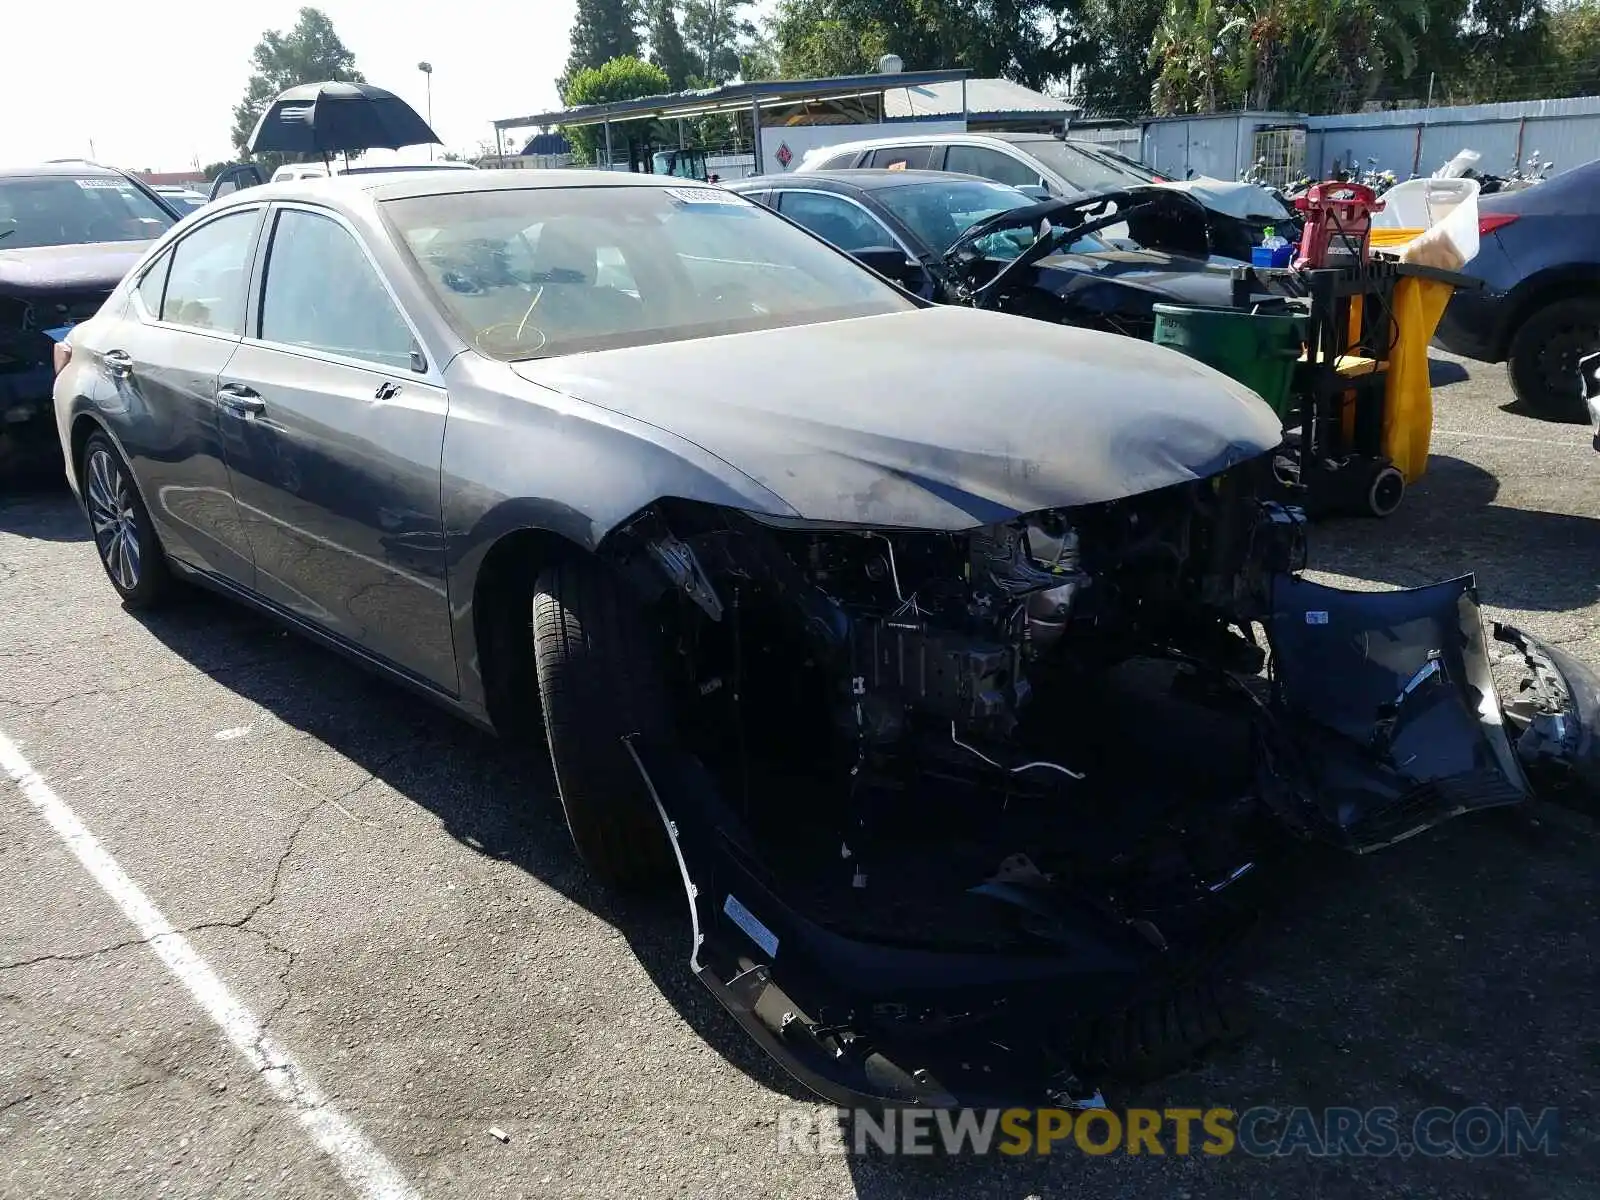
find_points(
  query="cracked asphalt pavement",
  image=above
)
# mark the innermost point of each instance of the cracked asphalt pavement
(394, 895)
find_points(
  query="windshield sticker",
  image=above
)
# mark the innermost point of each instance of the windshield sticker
(746, 920)
(89, 185)
(704, 196)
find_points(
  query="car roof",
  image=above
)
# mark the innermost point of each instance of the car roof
(355, 190)
(867, 179)
(70, 169)
(912, 138)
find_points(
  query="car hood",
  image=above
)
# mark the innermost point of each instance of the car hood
(940, 418)
(49, 270)
(1246, 201)
(1157, 276)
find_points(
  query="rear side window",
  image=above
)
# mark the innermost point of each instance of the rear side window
(322, 293)
(990, 164)
(902, 158)
(839, 162)
(210, 267)
(834, 220)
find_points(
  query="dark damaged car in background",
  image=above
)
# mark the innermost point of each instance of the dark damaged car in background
(68, 233)
(957, 667)
(1101, 261)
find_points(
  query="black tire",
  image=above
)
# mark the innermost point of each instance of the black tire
(119, 523)
(1543, 362)
(1385, 490)
(599, 681)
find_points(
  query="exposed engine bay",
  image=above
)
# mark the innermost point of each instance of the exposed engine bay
(992, 801)
(875, 670)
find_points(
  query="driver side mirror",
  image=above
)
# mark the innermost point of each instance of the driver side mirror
(1034, 191)
(890, 262)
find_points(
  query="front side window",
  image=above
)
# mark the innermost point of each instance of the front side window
(210, 267)
(939, 213)
(65, 210)
(322, 293)
(990, 164)
(542, 271)
(835, 221)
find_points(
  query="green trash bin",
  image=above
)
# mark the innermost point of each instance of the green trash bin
(1258, 349)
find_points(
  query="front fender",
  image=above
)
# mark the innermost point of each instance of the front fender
(517, 456)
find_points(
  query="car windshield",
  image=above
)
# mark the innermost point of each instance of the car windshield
(939, 213)
(68, 210)
(538, 272)
(1086, 172)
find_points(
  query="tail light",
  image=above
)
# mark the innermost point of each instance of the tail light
(61, 355)
(1489, 222)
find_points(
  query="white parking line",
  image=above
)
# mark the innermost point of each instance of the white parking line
(361, 1163)
(1506, 437)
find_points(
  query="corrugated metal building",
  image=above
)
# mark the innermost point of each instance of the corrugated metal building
(1419, 140)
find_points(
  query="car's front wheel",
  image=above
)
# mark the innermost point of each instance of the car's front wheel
(600, 681)
(1545, 351)
(124, 536)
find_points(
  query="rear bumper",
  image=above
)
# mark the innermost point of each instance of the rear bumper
(1472, 326)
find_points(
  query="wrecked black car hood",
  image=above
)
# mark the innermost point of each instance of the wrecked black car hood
(942, 418)
(1083, 277)
(33, 272)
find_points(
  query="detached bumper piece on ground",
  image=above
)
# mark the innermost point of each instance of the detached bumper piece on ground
(1056, 779)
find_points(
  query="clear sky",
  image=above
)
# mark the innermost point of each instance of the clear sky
(154, 85)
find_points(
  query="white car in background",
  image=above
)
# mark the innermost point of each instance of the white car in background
(1042, 165)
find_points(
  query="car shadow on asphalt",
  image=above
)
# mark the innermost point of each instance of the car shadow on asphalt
(41, 509)
(1449, 524)
(494, 797)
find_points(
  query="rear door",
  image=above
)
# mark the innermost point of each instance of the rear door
(334, 422)
(164, 356)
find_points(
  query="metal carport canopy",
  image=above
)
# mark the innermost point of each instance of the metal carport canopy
(731, 97)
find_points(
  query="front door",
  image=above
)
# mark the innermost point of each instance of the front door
(333, 425)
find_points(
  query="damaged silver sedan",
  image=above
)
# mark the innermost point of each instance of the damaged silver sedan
(957, 666)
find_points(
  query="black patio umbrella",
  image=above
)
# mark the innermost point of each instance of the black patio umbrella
(325, 118)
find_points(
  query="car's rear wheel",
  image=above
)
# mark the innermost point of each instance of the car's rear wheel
(1545, 350)
(600, 681)
(124, 536)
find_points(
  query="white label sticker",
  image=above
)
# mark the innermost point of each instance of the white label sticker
(707, 195)
(1316, 618)
(746, 920)
(89, 185)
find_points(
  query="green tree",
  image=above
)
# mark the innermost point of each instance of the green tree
(667, 50)
(715, 31)
(618, 79)
(1117, 74)
(601, 31)
(818, 38)
(1575, 47)
(311, 52)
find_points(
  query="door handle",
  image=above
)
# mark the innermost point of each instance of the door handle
(240, 400)
(118, 362)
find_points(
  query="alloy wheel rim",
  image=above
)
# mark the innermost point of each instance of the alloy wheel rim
(111, 516)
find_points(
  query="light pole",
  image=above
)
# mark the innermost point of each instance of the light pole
(427, 70)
